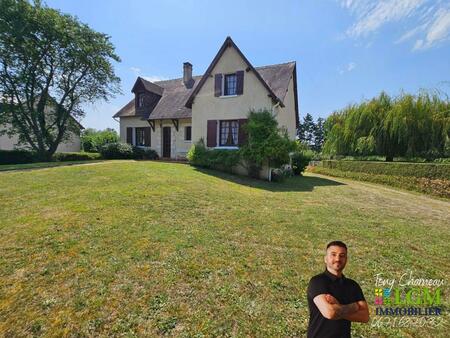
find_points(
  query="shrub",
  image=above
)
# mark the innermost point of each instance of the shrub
(17, 156)
(144, 153)
(81, 156)
(197, 155)
(266, 143)
(92, 140)
(280, 174)
(220, 159)
(429, 170)
(117, 151)
(300, 160)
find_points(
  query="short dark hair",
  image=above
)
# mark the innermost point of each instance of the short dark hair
(337, 243)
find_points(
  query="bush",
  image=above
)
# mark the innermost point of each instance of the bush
(197, 155)
(17, 156)
(429, 170)
(117, 151)
(92, 140)
(266, 143)
(144, 154)
(220, 159)
(300, 160)
(81, 156)
(280, 174)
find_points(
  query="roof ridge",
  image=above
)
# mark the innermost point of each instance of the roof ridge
(277, 64)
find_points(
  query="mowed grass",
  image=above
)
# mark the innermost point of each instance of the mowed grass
(125, 248)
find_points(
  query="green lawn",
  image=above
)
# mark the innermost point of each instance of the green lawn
(124, 248)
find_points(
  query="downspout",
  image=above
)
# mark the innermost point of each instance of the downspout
(269, 174)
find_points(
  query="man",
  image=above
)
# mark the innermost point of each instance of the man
(334, 301)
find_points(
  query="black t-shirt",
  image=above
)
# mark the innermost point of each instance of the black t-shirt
(345, 290)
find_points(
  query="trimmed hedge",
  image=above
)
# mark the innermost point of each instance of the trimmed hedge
(144, 154)
(219, 159)
(427, 170)
(17, 156)
(435, 187)
(26, 156)
(117, 151)
(82, 156)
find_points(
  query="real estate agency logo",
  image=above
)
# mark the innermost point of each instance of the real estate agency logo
(408, 301)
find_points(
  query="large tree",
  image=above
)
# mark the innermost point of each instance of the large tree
(51, 64)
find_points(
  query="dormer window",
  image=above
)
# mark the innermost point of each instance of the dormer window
(230, 84)
(141, 97)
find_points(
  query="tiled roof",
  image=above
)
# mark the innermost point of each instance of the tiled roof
(175, 94)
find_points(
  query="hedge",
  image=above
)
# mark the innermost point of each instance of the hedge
(427, 170)
(82, 156)
(431, 186)
(26, 156)
(17, 156)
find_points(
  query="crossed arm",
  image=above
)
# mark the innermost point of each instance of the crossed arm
(330, 308)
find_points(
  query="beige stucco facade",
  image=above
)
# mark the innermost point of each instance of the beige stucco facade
(179, 146)
(208, 107)
(271, 88)
(10, 143)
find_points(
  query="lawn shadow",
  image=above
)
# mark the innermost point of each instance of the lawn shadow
(296, 183)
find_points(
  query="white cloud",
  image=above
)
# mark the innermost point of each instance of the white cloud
(438, 30)
(351, 66)
(348, 68)
(429, 21)
(154, 78)
(136, 71)
(372, 16)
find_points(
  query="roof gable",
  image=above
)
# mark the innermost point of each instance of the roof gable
(227, 44)
(148, 86)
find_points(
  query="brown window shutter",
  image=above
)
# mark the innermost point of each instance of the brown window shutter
(211, 137)
(218, 85)
(129, 135)
(147, 136)
(240, 82)
(242, 135)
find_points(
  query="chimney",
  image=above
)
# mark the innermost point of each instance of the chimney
(187, 74)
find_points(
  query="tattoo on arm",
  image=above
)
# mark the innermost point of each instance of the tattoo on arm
(344, 310)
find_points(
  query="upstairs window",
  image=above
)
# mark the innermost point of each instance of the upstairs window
(141, 98)
(230, 85)
(229, 130)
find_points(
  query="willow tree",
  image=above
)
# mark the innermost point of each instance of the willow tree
(51, 64)
(407, 125)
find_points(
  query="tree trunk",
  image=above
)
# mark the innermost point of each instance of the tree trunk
(44, 156)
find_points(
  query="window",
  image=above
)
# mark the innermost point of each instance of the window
(141, 98)
(228, 133)
(143, 137)
(188, 133)
(230, 85)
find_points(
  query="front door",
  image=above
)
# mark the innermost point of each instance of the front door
(166, 142)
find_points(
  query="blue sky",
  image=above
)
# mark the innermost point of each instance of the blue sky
(346, 50)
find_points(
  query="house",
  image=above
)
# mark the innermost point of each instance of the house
(169, 116)
(72, 144)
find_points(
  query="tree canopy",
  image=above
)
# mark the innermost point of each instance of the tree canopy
(407, 126)
(51, 64)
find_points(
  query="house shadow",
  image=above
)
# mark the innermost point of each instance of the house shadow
(296, 183)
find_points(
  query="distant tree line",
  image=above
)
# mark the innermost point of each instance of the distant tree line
(312, 133)
(403, 126)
